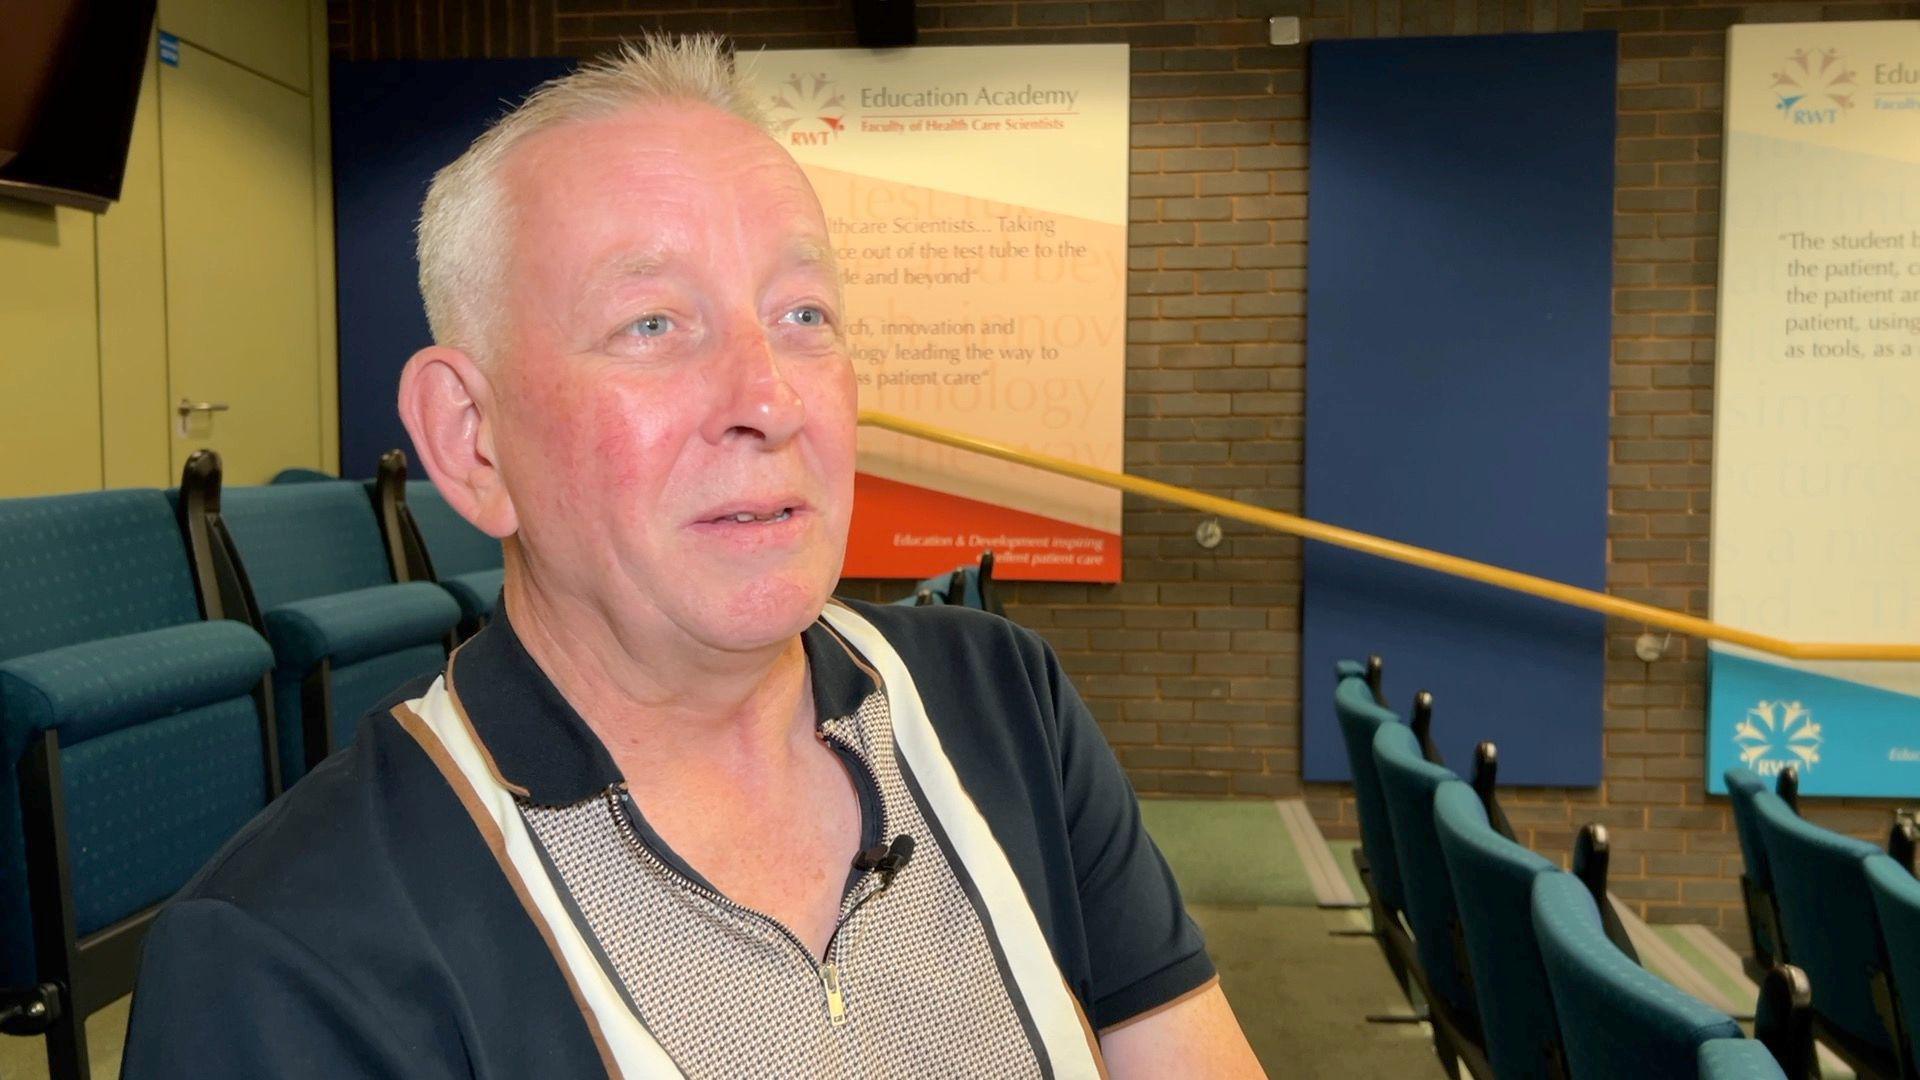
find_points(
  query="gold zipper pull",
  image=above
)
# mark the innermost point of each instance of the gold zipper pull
(836, 1005)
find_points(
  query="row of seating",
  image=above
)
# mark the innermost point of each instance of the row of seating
(1843, 910)
(170, 661)
(1524, 970)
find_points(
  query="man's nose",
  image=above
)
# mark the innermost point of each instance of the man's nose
(754, 398)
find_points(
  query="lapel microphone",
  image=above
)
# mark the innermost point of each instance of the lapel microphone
(887, 859)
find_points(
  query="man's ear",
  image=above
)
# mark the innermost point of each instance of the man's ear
(446, 403)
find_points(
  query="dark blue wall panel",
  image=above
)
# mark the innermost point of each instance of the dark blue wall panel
(1458, 341)
(395, 123)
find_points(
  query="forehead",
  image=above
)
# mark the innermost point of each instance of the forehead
(675, 175)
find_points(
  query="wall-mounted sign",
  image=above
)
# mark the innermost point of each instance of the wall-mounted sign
(978, 204)
(1816, 479)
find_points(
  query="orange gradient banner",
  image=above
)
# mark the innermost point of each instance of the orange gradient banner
(976, 199)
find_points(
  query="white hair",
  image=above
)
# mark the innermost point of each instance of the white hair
(467, 218)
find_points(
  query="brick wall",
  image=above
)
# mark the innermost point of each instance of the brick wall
(1192, 666)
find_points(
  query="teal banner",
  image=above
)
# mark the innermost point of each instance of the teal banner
(1845, 738)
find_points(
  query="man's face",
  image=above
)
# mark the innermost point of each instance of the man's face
(675, 409)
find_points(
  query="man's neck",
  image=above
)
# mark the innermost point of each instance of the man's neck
(662, 703)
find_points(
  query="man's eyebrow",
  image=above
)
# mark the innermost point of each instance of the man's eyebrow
(637, 264)
(809, 253)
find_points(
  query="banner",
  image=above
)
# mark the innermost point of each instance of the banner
(977, 199)
(1501, 170)
(1816, 480)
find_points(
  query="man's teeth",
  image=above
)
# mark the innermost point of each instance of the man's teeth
(745, 518)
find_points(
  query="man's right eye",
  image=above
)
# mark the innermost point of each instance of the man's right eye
(648, 326)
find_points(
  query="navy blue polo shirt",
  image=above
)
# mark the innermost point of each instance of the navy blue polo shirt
(385, 917)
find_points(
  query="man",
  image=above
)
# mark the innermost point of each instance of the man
(674, 812)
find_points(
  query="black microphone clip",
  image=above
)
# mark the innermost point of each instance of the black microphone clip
(887, 859)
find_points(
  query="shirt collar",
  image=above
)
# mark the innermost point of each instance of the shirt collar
(540, 743)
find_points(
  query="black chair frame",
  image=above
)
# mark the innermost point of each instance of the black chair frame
(1867, 1061)
(1763, 910)
(224, 588)
(1592, 857)
(407, 555)
(1388, 932)
(1457, 1040)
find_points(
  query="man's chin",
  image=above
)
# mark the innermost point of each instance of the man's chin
(764, 611)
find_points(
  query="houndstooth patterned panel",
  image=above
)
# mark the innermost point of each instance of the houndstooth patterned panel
(730, 993)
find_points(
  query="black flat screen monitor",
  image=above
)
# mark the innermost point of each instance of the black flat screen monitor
(69, 81)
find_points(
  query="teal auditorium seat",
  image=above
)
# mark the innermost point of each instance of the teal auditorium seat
(465, 561)
(137, 738)
(427, 540)
(1617, 1020)
(1407, 783)
(344, 634)
(1356, 701)
(1360, 716)
(1756, 883)
(1830, 928)
(1896, 902)
(1493, 880)
(966, 586)
(1738, 1059)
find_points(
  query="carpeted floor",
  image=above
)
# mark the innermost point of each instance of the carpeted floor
(1301, 994)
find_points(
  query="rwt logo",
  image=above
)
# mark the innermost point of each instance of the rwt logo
(1815, 87)
(1776, 734)
(808, 110)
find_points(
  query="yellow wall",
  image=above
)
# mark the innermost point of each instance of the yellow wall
(49, 351)
(133, 312)
(84, 389)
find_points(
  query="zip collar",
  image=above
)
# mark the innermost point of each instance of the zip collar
(540, 746)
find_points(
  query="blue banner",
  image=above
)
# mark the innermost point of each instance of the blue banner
(1844, 737)
(1459, 334)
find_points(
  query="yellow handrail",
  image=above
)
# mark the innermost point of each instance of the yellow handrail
(1573, 595)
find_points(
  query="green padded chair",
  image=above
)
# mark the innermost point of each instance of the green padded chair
(466, 562)
(427, 540)
(1408, 782)
(313, 574)
(1756, 881)
(1738, 1059)
(1361, 715)
(1896, 902)
(1617, 1019)
(138, 738)
(1493, 881)
(966, 586)
(1829, 926)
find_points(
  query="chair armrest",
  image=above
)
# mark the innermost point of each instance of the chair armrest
(1783, 1019)
(476, 592)
(1737, 1059)
(97, 687)
(351, 626)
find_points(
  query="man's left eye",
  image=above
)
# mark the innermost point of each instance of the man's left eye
(806, 316)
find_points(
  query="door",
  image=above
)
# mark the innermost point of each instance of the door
(242, 305)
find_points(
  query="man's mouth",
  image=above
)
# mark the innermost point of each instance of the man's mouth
(746, 517)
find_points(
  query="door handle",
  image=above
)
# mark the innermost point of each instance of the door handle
(188, 407)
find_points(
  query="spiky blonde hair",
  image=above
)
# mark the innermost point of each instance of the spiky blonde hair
(467, 215)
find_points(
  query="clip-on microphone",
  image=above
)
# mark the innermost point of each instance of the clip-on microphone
(888, 859)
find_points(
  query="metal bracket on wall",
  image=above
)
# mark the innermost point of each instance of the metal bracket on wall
(1208, 534)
